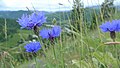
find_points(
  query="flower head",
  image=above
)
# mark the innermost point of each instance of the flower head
(23, 21)
(50, 33)
(37, 19)
(31, 21)
(32, 47)
(110, 26)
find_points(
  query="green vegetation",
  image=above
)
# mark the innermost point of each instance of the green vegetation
(81, 47)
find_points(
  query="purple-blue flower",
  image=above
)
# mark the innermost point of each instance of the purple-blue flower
(111, 26)
(23, 21)
(50, 33)
(32, 47)
(36, 19)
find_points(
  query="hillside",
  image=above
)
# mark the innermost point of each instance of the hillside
(50, 15)
(61, 15)
(14, 14)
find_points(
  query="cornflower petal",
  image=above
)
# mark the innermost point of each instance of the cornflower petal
(44, 33)
(111, 26)
(30, 21)
(32, 47)
(56, 30)
(23, 21)
(50, 33)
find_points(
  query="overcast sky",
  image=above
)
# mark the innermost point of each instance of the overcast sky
(45, 5)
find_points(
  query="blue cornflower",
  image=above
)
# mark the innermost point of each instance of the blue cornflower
(111, 26)
(23, 21)
(32, 21)
(50, 33)
(37, 19)
(32, 47)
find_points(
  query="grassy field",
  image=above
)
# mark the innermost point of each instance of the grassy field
(76, 51)
(84, 48)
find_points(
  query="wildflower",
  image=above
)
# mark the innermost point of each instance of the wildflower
(111, 27)
(24, 21)
(50, 33)
(33, 47)
(32, 21)
(37, 19)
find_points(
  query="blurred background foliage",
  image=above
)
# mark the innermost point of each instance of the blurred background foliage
(80, 21)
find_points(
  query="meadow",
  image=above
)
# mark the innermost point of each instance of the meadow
(81, 43)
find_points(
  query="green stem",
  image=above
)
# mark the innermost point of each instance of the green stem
(116, 52)
(52, 42)
(54, 51)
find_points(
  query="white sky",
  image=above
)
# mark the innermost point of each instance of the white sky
(45, 5)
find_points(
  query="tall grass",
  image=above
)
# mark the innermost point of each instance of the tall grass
(76, 49)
